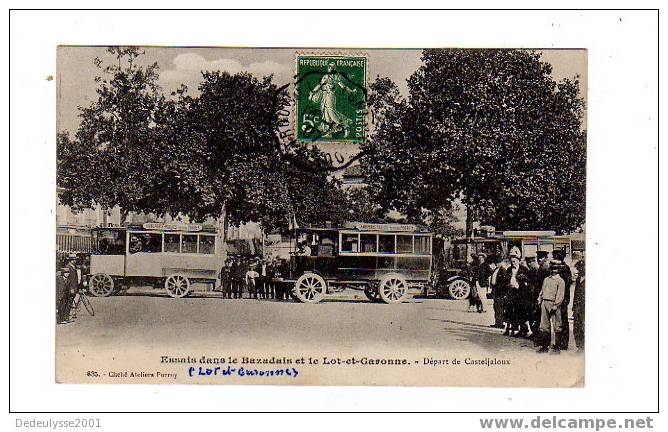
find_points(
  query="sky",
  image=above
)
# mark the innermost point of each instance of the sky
(183, 65)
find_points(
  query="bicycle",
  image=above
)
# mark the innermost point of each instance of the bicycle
(79, 299)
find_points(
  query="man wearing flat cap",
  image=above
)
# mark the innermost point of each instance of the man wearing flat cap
(550, 299)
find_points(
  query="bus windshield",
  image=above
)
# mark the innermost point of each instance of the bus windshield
(109, 242)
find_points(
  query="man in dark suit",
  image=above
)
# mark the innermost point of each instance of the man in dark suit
(61, 298)
(516, 280)
(567, 276)
(579, 307)
(538, 271)
(72, 282)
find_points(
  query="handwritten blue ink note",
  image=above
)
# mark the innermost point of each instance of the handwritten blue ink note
(242, 372)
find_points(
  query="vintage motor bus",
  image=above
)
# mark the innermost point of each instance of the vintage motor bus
(455, 282)
(173, 255)
(387, 261)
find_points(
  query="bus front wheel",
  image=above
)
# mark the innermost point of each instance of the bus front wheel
(101, 285)
(310, 288)
(459, 289)
(393, 289)
(177, 285)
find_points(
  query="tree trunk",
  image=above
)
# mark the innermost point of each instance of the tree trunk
(469, 232)
(226, 224)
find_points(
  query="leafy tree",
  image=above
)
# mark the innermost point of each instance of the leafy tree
(201, 156)
(490, 127)
(112, 160)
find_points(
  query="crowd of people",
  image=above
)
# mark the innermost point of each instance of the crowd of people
(253, 277)
(532, 296)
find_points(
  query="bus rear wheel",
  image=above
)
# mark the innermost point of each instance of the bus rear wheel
(101, 285)
(310, 288)
(393, 289)
(177, 285)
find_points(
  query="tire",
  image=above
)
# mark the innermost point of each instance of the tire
(101, 285)
(393, 288)
(177, 285)
(371, 294)
(86, 302)
(310, 288)
(459, 289)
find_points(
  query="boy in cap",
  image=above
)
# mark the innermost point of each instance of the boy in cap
(550, 300)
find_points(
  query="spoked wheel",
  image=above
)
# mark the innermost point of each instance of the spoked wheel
(393, 289)
(310, 288)
(86, 302)
(371, 294)
(459, 289)
(177, 285)
(101, 285)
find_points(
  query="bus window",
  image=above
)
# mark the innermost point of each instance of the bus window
(386, 243)
(189, 243)
(110, 242)
(349, 243)
(422, 245)
(152, 243)
(145, 242)
(207, 244)
(368, 242)
(172, 242)
(404, 244)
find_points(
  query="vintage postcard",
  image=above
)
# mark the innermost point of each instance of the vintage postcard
(321, 216)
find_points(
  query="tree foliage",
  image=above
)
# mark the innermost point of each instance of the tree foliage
(112, 160)
(490, 127)
(196, 156)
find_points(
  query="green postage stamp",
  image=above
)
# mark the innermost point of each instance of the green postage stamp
(331, 98)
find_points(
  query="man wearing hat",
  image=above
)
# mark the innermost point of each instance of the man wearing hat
(515, 278)
(72, 282)
(551, 298)
(567, 276)
(485, 270)
(539, 269)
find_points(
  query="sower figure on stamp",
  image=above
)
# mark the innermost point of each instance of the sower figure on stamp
(550, 299)
(567, 276)
(324, 94)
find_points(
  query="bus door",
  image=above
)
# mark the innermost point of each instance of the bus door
(144, 254)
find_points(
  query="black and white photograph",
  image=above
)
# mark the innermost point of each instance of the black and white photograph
(308, 218)
(321, 216)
